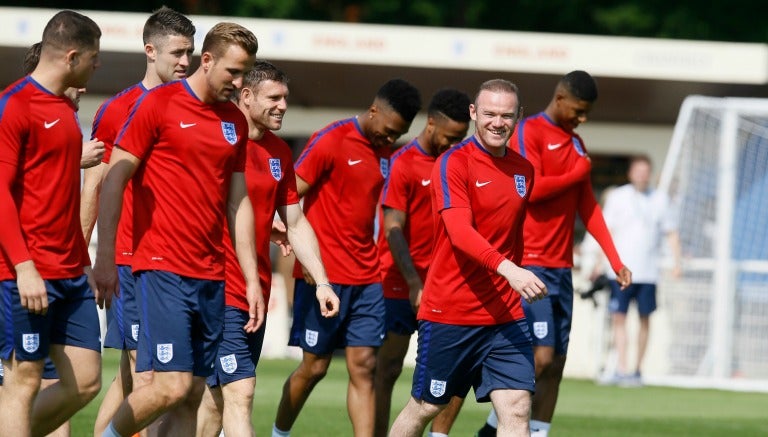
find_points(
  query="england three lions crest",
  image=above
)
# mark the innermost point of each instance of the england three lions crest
(384, 167)
(275, 168)
(30, 342)
(230, 134)
(520, 185)
(437, 388)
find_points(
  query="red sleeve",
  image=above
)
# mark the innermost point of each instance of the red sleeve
(12, 135)
(139, 133)
(396, 190)
(317, 158)
(465, 238)
(592, 216)
(287, 194)
(241, 151)
(550, 186)
(105, 126)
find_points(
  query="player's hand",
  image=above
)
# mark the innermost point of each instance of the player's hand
(279, 236)
(32, 292)
(329, 302)
(93, 152)
(105, 281)
(523, 281)
(624, 277)
(414, 295)
(256, 307)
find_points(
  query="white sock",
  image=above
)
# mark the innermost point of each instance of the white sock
(110, 431)
(539, 429)
(279, 433)
(436, 434)
(493, 419)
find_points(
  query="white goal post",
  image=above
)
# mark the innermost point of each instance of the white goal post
(716, 174)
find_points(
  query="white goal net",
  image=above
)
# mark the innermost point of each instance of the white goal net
(716, 174)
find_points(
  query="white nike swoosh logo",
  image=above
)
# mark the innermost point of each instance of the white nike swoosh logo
(185, 125)
(425, 182)
(50, 125)
(481, 184)
(554, 146)
(351, 162)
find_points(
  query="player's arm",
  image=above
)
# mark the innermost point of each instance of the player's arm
(32, 290)
(465, 238)
(394, 222)
(305, 246)
(593, 219)
(93, 152)
(548, 187)
(122, 166)
(89, 198)
(242, 229)
(302, 186)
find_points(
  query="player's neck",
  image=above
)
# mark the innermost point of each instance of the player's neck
(255, 132)
(151, 79)
(424, 143)
(49, 78)
(199, 87)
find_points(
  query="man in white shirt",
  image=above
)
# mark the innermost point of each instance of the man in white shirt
(638, 216)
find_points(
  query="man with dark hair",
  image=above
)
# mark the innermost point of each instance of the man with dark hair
(185, 142)
(168, 46)
(47, 305)
(263, 99)
(472, 330)
(93, 149)
(340, 174)
(562, 190)
(405, 244)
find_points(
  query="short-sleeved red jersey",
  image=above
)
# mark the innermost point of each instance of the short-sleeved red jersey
(459, 290)
(271, 184)
(189, 151)
(549, 227)
(407, 189)
(346, 174)
(106, 124)
(40, 148)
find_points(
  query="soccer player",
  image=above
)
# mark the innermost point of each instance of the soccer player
(271, 187)
(168, 45)
(185, 142)
(562, 190)
(472, 330)
(405, 245)
(340, 174)
(47, 307)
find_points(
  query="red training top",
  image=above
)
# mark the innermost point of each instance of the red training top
(189, 151)
(40, 148)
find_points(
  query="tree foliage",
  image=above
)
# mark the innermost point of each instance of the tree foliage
(737, 20)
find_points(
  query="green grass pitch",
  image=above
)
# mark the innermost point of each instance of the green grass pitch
(584, 409)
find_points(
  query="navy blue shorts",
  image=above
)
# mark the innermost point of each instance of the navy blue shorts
(71, 320)
(181, 322)
(400, 316)
(450, 359)
(360, 321)
(644, 294)
(49, 370)
(550, 318)
(239, 351)
(123, 315)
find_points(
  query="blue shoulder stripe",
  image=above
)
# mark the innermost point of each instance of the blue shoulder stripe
(319, 135)
(444, 169)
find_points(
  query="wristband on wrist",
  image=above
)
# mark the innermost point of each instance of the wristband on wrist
(323, 284)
